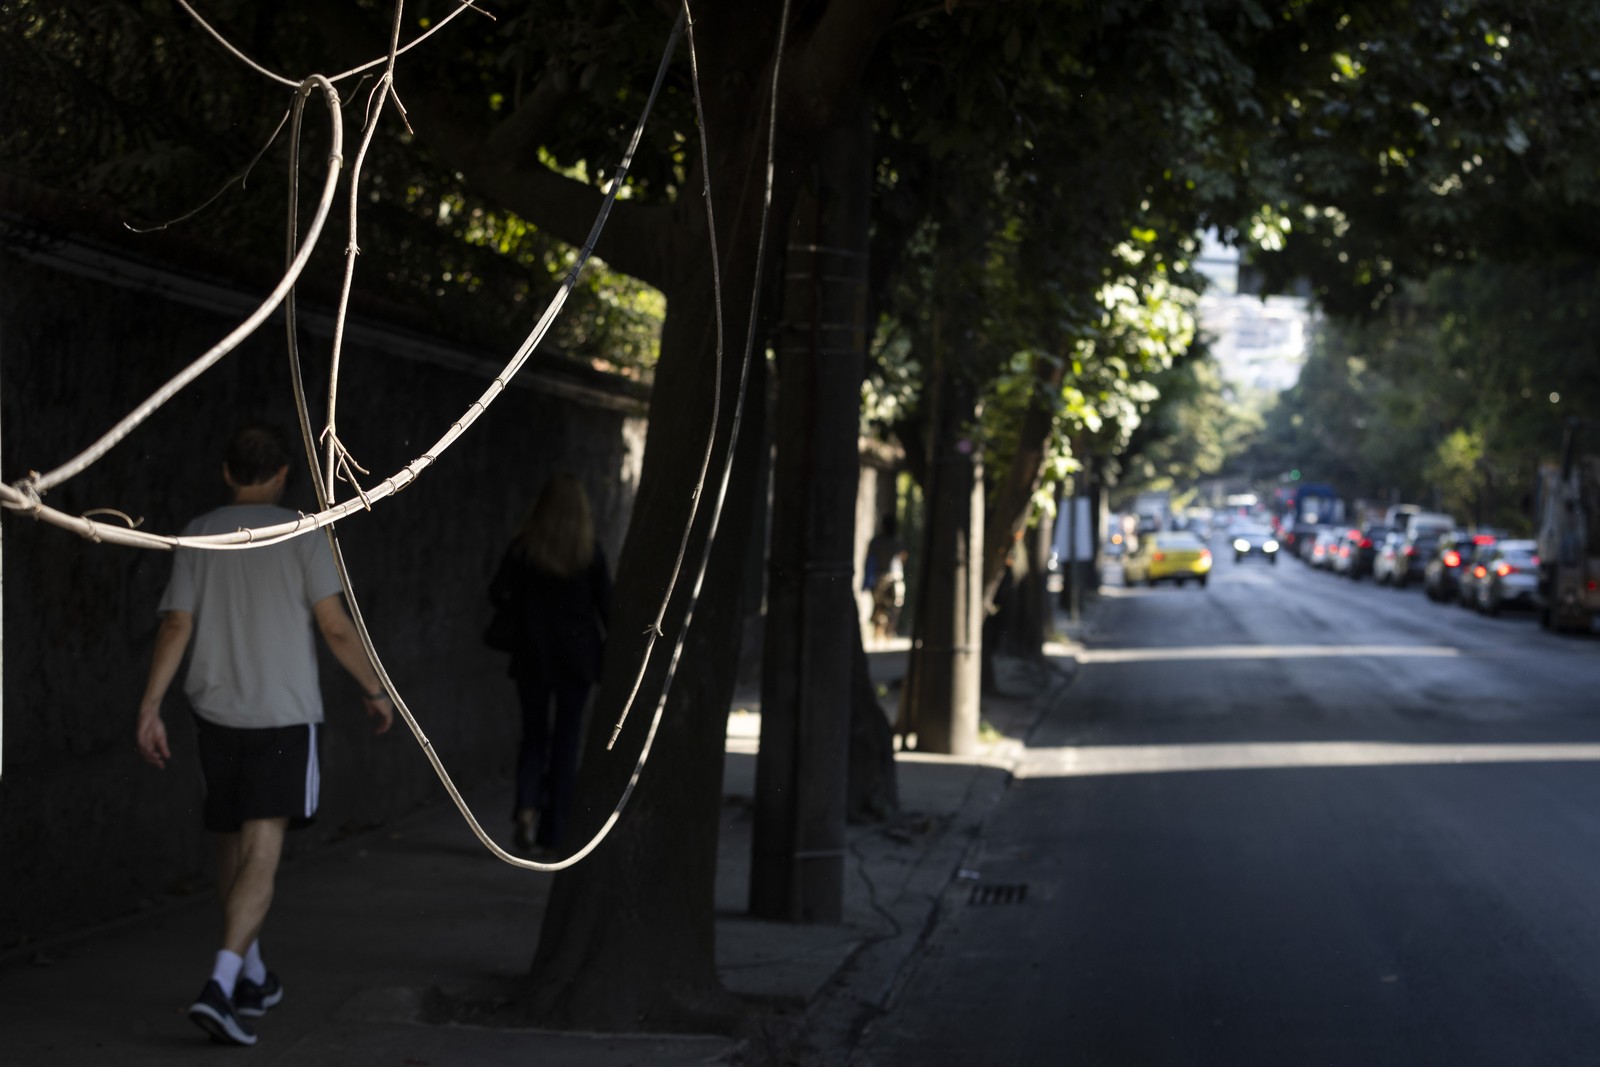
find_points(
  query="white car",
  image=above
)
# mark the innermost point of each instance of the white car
(1384, 562)
(1511, 577)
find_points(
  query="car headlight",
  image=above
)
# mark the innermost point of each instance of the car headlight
(1241, 545)
(1270, 546)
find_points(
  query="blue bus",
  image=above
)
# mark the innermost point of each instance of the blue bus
(1300, 508)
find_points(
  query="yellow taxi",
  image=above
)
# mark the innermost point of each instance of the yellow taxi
(1172, 556)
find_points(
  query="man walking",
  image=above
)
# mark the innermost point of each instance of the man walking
(252, 683)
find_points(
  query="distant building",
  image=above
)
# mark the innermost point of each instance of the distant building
(1258, 343)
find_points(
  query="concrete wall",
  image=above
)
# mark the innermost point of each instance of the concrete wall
(87, 831)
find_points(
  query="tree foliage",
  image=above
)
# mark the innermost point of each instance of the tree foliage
(1444, 130)
(134, 107)
(1452, 395)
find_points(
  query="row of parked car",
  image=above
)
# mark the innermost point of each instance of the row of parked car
(1485, 570)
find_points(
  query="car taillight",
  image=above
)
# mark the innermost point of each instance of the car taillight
(1480, 571)
(1452, 558)
(1205, 553)
(1505, 569)
(1483, 539)
(1354, 534)
(1344, 551)
(1366, 542)
(1411, 550)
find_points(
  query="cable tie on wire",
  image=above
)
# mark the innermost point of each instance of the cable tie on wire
(29, 488)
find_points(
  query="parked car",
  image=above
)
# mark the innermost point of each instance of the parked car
(1419, 522)
(1357, 549)
(1511, 577)
(1441, 576)
(1254, 540)
(1302, 546)
(1474, 568)
(1325, 541)
(1383, 562)
(1171, 556)
(1404, 557)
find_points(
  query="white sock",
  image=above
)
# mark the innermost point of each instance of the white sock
(225, 972)
(254, 969)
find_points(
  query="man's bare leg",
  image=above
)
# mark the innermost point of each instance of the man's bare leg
(247, 871)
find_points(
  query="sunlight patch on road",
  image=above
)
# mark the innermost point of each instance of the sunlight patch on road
(1234, 652)
(1096, 760)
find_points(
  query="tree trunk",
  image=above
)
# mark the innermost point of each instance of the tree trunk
(628, 940)
(1013, 496)
(798, 865)
(1027, 635)
(873, 790)
(940, 701)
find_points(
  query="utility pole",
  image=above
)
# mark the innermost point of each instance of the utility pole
(802, 767)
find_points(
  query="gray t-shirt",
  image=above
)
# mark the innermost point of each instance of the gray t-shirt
(254, 659)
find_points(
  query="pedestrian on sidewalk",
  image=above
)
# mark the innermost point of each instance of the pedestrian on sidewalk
(883, 578)
(257, 705)
(554, 587)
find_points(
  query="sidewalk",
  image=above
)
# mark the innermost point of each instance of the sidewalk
(364, 931)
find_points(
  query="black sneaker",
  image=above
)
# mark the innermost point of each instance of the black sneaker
(213, 1012)
(252, 999)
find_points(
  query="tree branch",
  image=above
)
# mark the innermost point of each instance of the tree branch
(500, 161)
(836, 52)
(635, 239)
(1008, 508)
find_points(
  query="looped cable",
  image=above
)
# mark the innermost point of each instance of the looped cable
(133, 523)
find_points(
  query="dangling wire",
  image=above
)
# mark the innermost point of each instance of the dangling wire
(26, 495)
(43, 482)
(357, 617)
(744, 375)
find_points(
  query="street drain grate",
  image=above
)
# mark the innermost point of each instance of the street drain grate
(999, 894)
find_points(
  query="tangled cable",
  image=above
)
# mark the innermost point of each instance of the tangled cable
(336, 463)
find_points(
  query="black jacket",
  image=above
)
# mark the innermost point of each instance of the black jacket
(562, 620)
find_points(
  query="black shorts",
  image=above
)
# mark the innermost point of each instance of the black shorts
(259, 774)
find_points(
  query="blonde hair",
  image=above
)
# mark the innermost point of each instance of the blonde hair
(558, 534)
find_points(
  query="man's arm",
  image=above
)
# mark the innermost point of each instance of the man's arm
(345, 644)
(171, 639)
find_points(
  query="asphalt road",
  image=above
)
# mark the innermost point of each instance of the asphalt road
(1289, 820)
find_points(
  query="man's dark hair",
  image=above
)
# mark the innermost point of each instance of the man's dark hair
(257, 452)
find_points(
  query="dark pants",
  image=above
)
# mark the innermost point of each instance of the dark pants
(547, 762)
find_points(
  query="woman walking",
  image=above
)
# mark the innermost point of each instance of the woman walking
(554, 585)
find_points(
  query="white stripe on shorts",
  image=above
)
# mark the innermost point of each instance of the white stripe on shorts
(313, 775)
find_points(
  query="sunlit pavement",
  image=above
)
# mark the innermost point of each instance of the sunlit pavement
(1286, 819)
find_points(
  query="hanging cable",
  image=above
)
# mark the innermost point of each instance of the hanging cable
(358, 618)
(744, 368)
(44, 482)
(26, 495)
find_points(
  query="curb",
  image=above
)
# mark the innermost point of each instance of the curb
(868, 983)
